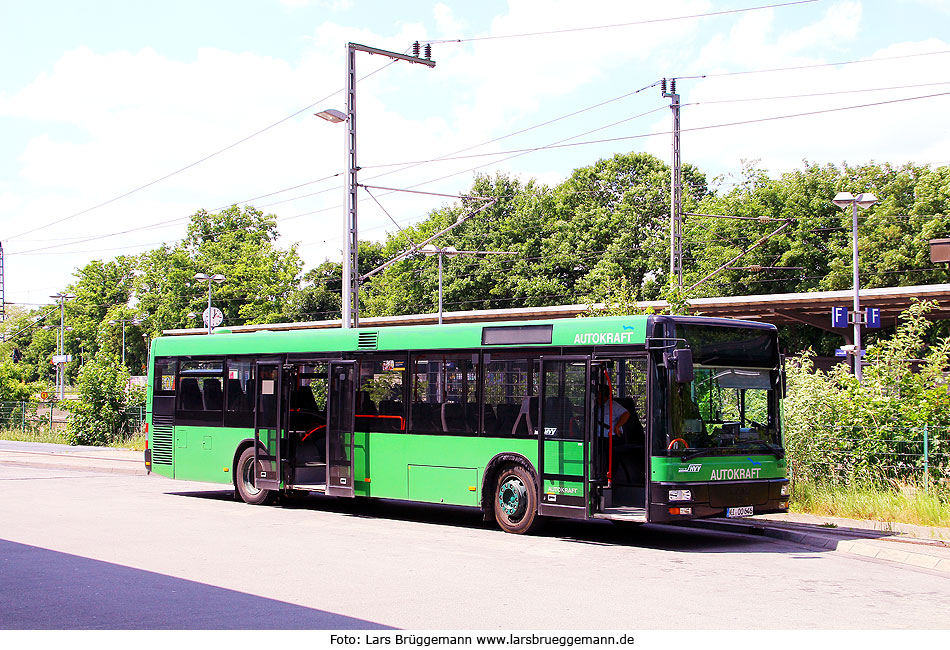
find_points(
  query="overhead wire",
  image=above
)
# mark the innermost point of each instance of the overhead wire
(811, 65)
(688, 129)
(197, 162)
(182, 219)
(647, 21)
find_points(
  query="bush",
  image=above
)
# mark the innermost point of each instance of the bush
(844, 432)
(101, 414)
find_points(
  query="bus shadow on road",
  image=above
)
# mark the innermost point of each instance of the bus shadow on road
(42, 589)
(597, 532)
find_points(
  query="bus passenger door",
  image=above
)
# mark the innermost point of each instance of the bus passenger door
(267, 426)
(563, 436)
(341, 419)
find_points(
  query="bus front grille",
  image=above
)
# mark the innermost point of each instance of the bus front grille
(728, 495)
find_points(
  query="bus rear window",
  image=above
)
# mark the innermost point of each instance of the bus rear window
(165, 370)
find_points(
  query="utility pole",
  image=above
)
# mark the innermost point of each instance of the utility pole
(60, 359)
(351, 277)
(676, 188)
(3, 309)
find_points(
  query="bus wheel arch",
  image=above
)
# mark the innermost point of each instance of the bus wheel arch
(510, 493)
(243, 477)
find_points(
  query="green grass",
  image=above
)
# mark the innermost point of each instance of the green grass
(908, 505)
(42, 435)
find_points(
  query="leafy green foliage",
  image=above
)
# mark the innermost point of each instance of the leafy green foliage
(101, 414)
(239, 243)
(14, 386)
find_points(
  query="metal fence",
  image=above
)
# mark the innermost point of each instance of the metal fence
(892, 454)
(39, 417)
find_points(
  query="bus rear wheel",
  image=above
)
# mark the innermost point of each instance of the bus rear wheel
(516, 500)
(244, 481)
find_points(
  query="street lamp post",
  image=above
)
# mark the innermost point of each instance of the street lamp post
(865, 200)
(350, 303)
(431, 249)
(204, 277)
(135, 321)
(61, 297)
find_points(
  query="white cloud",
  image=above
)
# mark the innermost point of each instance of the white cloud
(99, 123)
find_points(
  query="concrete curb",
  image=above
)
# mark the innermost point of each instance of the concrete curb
(903, 549)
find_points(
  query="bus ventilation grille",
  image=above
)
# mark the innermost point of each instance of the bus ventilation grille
(162, 444)
(367, 340)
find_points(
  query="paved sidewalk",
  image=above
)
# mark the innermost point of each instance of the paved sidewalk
(918, 546)
(87, 459)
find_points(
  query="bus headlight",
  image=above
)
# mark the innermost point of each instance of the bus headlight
(681, 495)
(786, 489)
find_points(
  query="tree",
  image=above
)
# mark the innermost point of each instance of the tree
(101, 414)
(239, 243)
(607, 221)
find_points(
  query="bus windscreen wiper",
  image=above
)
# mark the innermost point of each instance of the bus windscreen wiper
(777, 451)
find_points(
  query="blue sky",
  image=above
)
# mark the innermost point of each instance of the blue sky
(98, 98)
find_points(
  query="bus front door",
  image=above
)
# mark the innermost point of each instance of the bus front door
(563, 436)
(267, 426)
(341, 424)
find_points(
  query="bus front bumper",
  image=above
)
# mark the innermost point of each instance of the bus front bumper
(674, 501)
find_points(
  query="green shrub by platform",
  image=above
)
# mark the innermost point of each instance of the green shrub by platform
(843, 432)
(101, 414)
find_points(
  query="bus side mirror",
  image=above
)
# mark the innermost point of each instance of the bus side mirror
(683, 365)
(782, 377)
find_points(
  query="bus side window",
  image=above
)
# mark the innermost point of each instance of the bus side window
(380, 401)
(163, 388)
(511, 391)
(200, 398)
(445, 393)
(239, 394)
(628, 378)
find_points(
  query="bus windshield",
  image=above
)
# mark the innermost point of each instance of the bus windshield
(725, 410)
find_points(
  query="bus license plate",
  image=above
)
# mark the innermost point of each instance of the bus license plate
(743, 511)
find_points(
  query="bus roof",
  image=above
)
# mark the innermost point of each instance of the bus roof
(285, 339)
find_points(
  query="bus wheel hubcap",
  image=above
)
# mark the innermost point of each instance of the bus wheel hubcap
(248, 477)
(512, 497)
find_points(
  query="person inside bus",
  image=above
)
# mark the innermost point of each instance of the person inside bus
(607, 406)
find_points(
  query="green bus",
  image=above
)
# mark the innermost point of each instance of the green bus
(630, 418)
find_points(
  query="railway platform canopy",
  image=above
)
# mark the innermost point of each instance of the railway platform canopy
(811, 308)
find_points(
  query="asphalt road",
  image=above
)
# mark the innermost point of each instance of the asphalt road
(90, 551)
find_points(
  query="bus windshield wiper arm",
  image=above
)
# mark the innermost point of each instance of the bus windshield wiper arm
(698, 452)
(777, 451)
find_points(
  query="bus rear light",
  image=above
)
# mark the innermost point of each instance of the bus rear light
(681, 511)
(783, 505)
(680, 495)
(786, 489)
(146, 428)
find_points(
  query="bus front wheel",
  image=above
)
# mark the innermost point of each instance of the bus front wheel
(244, 481)
(516, 500)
